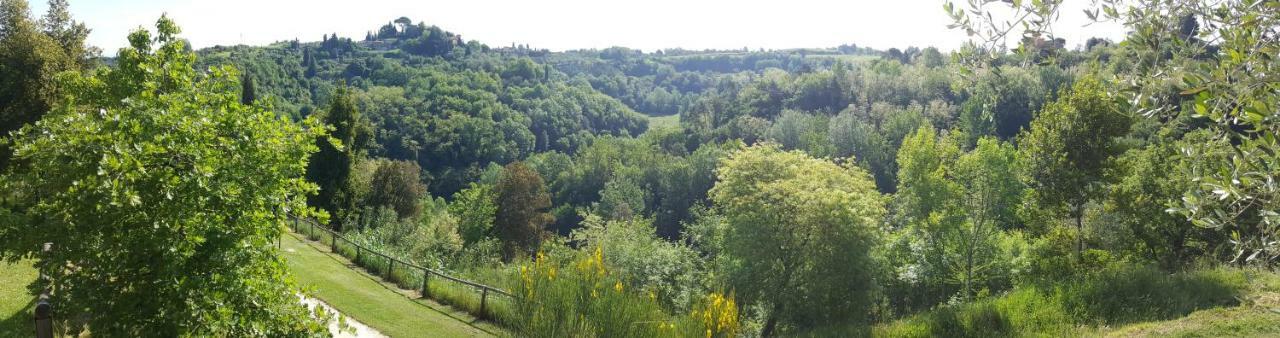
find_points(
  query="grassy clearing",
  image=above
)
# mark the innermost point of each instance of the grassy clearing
(662, 122)
(1139, 301)
(1257, 316)
(16, 301)
(366, 299)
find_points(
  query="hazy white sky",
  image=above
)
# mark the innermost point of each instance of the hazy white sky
(560, 24)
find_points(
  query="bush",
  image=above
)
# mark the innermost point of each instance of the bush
(583, 299)
(1019, 313)
(636, 256)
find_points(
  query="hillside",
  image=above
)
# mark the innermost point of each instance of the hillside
(1013, 183)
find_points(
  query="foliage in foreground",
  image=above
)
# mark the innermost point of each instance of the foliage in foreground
(579, 297)
(162, 195)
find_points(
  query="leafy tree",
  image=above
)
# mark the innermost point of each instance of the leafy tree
(622, 197)
(331, 167)
(1069, 147)
(799, 230)
(30, 59)
(68, 33)
(396, 184)
(927, 196)
(1222, 80)
(928, 210)
(163, 197)
(475, 209)
(853, 137)
(990, 194)
(521, 218)
(797, 130)
(1150, 181)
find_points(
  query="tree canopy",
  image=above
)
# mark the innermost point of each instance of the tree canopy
(162, 196)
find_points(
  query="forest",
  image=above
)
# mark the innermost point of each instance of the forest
(1015, 186)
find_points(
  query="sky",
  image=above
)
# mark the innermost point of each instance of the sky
(561, 24)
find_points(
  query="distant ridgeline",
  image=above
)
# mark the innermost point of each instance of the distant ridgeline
(430, 94)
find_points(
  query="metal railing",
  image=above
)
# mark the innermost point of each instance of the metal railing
(297, 225)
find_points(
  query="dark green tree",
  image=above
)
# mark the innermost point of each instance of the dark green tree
(31, 55)
(521, 218)
(396, 184)
(330, 168)
(248, 93)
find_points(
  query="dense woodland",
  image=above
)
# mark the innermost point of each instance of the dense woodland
(1044, 190)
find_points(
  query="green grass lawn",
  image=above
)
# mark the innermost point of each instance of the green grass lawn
(368, 300)
(16, 303)
(1239, 321)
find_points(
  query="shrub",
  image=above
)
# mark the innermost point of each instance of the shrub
(583, 299)
(1019, 313)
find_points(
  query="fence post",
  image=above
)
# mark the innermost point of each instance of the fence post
(426, 274)
(44, 318)
(357, 261)
(44, 311)
(391, 267)
(333, 243)
(484, 296)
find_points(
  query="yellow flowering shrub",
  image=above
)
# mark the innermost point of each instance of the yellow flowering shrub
(584, 300)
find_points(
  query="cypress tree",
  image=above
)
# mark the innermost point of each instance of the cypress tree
(247, 92)
(330, 168)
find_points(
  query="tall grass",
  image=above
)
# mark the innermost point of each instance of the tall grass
(1020, 313)
(1116, 295)
(1135, 294)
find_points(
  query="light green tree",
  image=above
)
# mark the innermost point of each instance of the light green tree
(930, 216)
(1069, 147)
(475, 209)
(927, 197)
(163, 197)
(990, 192)
(799, 230)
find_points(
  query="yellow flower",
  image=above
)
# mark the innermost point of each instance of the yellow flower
(617, 286)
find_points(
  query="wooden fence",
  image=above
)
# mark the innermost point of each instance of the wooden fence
(311, 229)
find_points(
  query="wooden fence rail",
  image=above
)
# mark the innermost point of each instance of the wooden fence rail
(392, 262)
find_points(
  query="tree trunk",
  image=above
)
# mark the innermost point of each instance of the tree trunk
(772, 323)
(1079, 213)
(968, 275)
